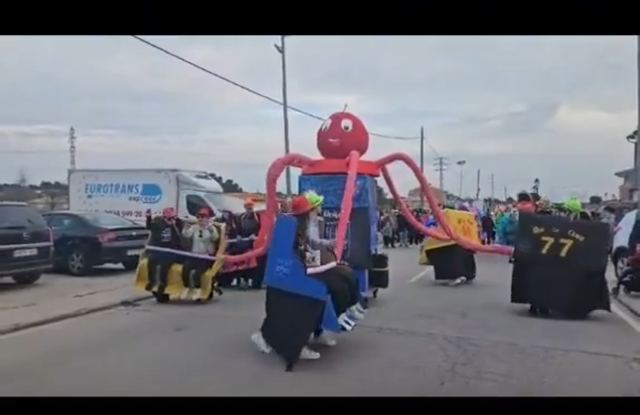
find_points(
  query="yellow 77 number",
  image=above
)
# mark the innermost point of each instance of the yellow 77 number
(548, 240)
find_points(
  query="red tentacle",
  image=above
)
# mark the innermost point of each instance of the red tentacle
(405, 210)
(347, 202)
(269, 218)
(437, 211)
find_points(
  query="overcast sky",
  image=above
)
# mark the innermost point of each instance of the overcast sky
(557, 108)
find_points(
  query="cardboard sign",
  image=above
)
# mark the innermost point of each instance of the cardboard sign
(462, 223)
(558, 241)
(560, 264)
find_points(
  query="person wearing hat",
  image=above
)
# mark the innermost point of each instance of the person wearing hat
(316, 222)
(320, 256)
(165, 233)
(343, 297)
(202, 236)
(575, 211)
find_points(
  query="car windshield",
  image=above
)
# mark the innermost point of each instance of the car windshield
(20, 216)
(108, 220)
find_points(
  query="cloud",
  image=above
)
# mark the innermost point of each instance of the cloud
(520, 107)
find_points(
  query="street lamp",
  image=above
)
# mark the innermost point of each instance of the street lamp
(285, 109)
(461, 163)
(633, 139)
(637, 134)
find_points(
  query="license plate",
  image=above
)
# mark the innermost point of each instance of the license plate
(21, 253)
(134, 252)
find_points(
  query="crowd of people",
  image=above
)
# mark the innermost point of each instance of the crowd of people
(500, 223)
(396, 229)
(194, 244)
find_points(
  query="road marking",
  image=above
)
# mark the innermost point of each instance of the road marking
(417, 277)
(626, 317)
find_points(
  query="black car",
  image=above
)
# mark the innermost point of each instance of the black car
(25, 243)
(84, 240)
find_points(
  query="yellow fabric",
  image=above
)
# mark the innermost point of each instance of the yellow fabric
(423, 260)
(462, 223)
(175, 287)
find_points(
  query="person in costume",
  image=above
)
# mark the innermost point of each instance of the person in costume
(165, 233)
(506, 228)
(325, 255)
(202, 236)
(340, 280)
(575, 211)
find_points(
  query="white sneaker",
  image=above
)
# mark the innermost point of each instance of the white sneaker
(260, 343)
(359, 309)
(196, 294)
(355, 313)
(185, 294)
(324, 340)
(458, 281)
(308, 354)
(346, 323)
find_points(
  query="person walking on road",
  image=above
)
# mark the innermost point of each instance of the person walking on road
(403, 230)
(488, 229)
(387, 231)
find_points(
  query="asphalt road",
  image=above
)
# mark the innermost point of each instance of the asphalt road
(418, 338)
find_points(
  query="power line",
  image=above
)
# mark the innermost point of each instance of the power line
(253, 91)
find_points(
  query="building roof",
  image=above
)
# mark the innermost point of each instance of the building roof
(624, 173)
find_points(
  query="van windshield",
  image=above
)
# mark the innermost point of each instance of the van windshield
(215, 199)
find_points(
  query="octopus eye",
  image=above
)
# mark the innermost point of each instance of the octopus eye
(347, 125)
(325, 125)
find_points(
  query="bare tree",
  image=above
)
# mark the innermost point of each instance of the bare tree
(23, 179)
(20, 191)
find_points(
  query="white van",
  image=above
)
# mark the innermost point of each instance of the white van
(130, 193)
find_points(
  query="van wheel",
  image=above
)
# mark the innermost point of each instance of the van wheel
(27, 279)
(78, 263)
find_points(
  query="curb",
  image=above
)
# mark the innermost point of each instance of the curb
(76, 313)
(629, 307)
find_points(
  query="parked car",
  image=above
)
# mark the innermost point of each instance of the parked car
(620, 246)
(83, 240)
(25, 243)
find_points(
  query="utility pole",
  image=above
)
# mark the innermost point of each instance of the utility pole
(492, 188)
(422, 162)
(637, 146)
(422, 150)
(461, 163)
(478, 186)
(505, 194)
(72, 148)
(441, 166)
(285, 109)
